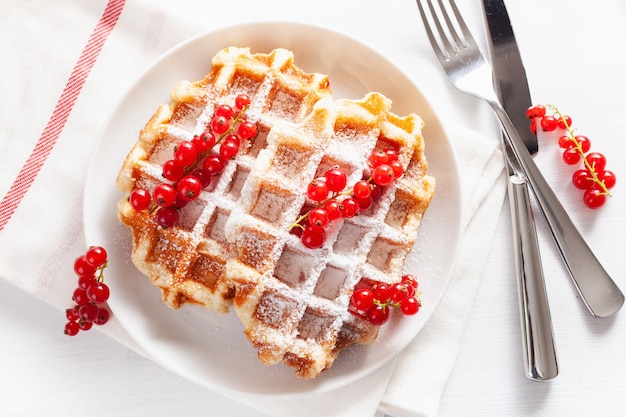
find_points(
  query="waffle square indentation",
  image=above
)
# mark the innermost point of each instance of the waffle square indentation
(293, 268)
(348, 238)
(276, 311)
(330, 282)
(271, 203)
(314, 325)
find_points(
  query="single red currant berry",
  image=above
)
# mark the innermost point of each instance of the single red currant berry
(96, 256)
(229, 148)
(596, 160)
(247, 130)
(207, 140)
(313, 238)
(224, 110)
(584, 142)
(200, 144)
(213, 165)
(392, 155)
(164, 195)
(533, 126)
(608, 178)
(85, 282)
(202, 176)
(548, 123)
(363, 299)
(317, 189)
(378, 158)
(179, 203)
(85, 325)
(378, 315)
(377, 191)
(536, 111)
(383, 175)
(382, 292)
(362, 189)
(83, 268)
(397, 168)
(571, 156)
(186, 153)
(88, 312)
(220, 124)
(410, 279)
(336, 180)
(349, 207)
(318, 218)
(189, 188)
(103, 316)
(98, 292)
(167, 216)
(72, 314)
(241, 101)
(332, 210)
(564, 122)
(582, 179)
(364, 203)
(400, 291)
(71, 328)
(80, 297)
(594, 198)
(140, 199)
(410, 306)
(173, 170)
(565, 142)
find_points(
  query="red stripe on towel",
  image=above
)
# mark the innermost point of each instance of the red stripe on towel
(61, 112)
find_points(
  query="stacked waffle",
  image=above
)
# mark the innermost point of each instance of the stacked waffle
(233, 245)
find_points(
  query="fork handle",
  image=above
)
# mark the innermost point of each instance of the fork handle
(596, 288)
(539, 351)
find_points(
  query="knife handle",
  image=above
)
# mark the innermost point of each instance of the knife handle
(540, 360)
(598, 291)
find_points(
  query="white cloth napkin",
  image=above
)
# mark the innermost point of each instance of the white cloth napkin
(46, 140)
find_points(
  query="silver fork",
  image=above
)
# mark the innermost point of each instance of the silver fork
(468, 70)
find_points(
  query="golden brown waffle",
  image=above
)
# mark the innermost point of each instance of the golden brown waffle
(292, 300)
(187, 262)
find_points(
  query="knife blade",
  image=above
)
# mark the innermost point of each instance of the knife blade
(539, 351)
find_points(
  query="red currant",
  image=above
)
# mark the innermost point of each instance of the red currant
(225, 111)
(317, 189)
(167, 216)
(72, 314)
(536, 111)
(313, 238)
(80, 297)
(571, 156)
(400, 291)
(378, 158)
(173, 170)
(594, 198)
(96, 256)
(410, 306)
(363, 299)
(582, 179)
(318, 218)
(83, 268)
(584, 142)
(410, 279)
(364, 203)
(220, 124)
(397, 168)
(241, 101)
(98, 292)
(229, 148)
(202, 176)
(596, 160)
(189, 188)
(88, 312)
(378, 315)
(349, 207)
(362, 189)
(565, 142)
(213, 165)
(376, 191)
(332, 210)
(548, 123)
(336, 180)
(203, 142)
(140, 199)
(186, 153)
(164, 195)
(103, 316)
(392, 155)
(564, 122)
(85, 282)
(71, 328)
(247, 130)
(608, 178)
(85, 325)
(383, 175)
(382, 292)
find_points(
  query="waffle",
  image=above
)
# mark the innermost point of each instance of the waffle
(232, 246)
(292, 300)
(187, 262)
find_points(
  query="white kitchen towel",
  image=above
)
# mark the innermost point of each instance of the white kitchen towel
(62, 75)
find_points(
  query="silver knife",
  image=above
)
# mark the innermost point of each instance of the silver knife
(540, 360)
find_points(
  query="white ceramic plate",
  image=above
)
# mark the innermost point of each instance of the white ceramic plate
(210, 348)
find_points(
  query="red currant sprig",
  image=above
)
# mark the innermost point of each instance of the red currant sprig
(195, 161)
(91, 293)
(593, 178)
(374, 302)
(333, 200)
